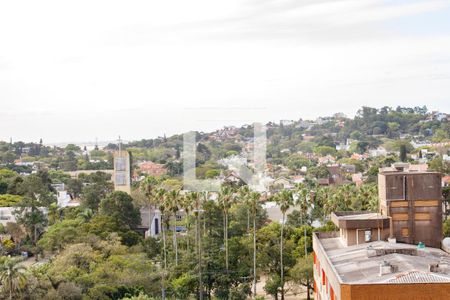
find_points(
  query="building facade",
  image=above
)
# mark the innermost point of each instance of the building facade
(394, 254)
(413, 199)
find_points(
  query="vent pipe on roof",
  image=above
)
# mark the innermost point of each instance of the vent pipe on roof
(387, 268)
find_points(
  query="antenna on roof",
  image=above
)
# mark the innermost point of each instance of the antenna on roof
(120, 145)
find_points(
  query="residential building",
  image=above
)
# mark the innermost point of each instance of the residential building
(380, 151)
(377, 269)
(7, 215)
(152, 169)
(392, 254)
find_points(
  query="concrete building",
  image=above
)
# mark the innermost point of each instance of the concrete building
(386, 255)
(413, 199)
(378, 270)
(361, 227)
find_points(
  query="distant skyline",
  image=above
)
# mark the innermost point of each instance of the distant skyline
(74, 71)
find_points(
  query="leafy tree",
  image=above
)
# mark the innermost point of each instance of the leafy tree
(119, 205)
(302, 273)
(60, 235)
(74, 187)
(403, 152)
(16, 232)
(183, 286)
(98, 186)
(141, 296)
(8, 200)
(325, 150)
(439, 165)
(36, 195)
(446, 228)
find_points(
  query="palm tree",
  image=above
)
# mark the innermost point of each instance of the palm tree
(161, 195)
(344, 196)
(86, 214)
(368, 197)
(173, 203)
(285, 200)
(197, 209)
(12, 276)
(188, 204)
(252, 201)
(243, 194)
(148, 186)
(303, 201)
(326, 196)
(226, 199)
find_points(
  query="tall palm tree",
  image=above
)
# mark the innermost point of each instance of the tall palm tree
(252, 201)
(161, 195)
(345, 195)
(188, 204)
(243, 194)
(12, 276)
(367, 197)
(285, 200)
(226, 199)
(173, 198)
(303, 201)
(196, 199)
(148, 187)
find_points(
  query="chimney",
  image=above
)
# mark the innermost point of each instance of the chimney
(385, 268)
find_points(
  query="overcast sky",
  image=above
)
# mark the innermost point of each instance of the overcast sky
(74, 71)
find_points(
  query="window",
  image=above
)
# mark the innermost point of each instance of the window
(120, 164)
(331, 293)
(324, 278)
(120, 179)
(156, 226)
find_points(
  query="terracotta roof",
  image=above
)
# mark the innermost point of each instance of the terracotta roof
(152, 168)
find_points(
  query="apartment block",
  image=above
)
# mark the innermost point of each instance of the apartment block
(393, 254)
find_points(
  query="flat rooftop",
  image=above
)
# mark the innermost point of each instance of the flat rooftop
(355, 219)
(350, 215)
(354, 265)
